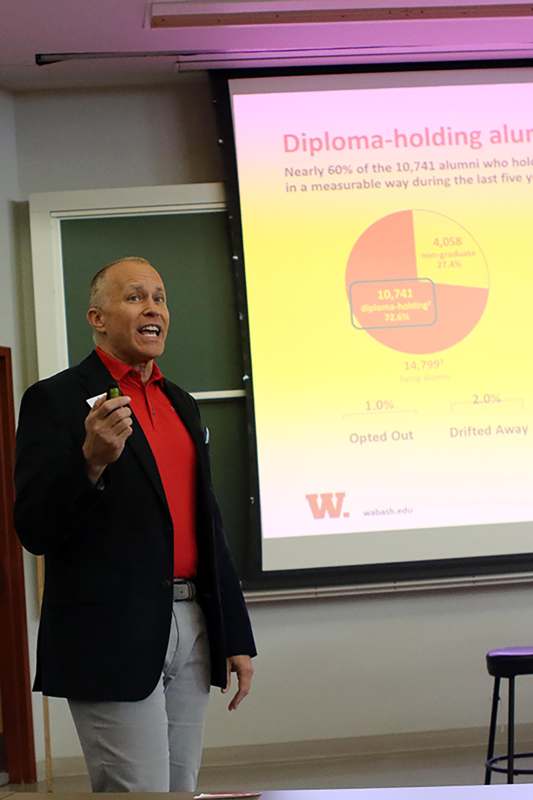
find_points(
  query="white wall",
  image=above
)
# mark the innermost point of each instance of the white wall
(327, 669)
(376, 665)
(117, 137)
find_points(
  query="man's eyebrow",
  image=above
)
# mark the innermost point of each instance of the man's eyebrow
(139, 286)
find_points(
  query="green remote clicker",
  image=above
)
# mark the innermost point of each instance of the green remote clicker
(113, 391)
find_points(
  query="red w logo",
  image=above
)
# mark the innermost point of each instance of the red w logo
(324, 504)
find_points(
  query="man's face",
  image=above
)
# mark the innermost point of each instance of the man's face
(132, 317)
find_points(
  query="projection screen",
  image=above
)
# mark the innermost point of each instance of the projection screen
(387, 224)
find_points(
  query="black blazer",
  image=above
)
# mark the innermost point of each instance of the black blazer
(107, 601)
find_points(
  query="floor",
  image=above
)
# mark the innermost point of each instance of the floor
(442, 767)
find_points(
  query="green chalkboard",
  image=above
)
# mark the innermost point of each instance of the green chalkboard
(190, 250)
(203, 351)
(226, 421)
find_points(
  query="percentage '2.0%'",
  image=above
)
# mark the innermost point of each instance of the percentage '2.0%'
(483, 399)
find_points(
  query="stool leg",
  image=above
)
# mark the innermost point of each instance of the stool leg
(492, 729)
(510, 734)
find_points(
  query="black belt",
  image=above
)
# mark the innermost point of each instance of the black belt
(183, 590)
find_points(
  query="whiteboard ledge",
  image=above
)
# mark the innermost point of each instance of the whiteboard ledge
(395, 587)
(223, 394)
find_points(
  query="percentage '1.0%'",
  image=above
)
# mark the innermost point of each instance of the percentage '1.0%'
(379, 405)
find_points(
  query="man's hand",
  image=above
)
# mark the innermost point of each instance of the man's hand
(243, 666)
(107, 426)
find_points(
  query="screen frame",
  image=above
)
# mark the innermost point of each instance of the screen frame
(254, 577)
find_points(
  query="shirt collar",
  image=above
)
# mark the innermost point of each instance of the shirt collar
(119, 370)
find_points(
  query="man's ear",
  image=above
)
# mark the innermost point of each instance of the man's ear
(95, 318)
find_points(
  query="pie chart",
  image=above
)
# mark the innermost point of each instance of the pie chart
(417, 281)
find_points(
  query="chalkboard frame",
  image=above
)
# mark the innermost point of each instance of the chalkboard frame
(48, 209)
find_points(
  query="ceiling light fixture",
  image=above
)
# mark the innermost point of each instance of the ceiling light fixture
(201, 14)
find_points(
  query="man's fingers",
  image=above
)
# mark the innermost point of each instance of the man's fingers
(235, 701)
(239, 697)
(119, 416)
(123, 429)
(243, 666)
(108, 424)
(105, 418)
(103, 408)
(245, 684)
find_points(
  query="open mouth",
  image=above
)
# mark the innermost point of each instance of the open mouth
(150, 331)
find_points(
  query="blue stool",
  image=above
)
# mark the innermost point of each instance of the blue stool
(507, 662)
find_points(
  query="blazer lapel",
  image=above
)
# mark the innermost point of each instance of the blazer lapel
(138, 444)
(96, 380)
(185, 409)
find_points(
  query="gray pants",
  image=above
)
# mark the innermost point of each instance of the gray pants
(153, 745)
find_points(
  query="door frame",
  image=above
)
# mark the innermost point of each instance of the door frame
(14, 663)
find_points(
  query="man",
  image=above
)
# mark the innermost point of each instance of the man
(142, 608)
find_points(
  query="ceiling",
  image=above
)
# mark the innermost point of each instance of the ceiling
(122, 28)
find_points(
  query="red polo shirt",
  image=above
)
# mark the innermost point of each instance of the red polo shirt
(173, 451)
